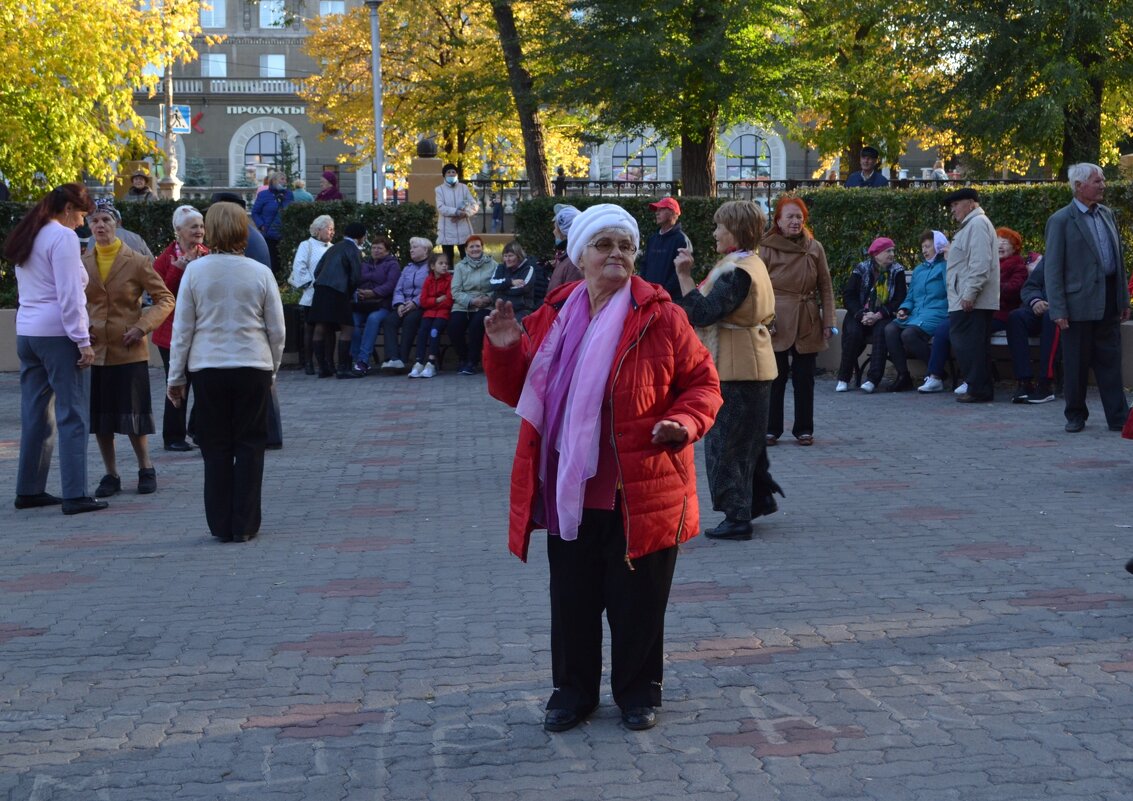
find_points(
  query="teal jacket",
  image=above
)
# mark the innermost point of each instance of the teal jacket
(927, 300)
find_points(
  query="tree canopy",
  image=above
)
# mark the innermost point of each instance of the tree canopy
(67, 87)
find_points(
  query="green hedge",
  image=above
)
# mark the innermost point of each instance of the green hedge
(154, 223)
(845, 221)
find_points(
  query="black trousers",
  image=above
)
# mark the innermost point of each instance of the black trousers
(969, 332)
(448, 251)
(735, 451)
(1095, 344)
(466, 333)
(231, 416)
(401, 347)
(801, 368)
(854, 339)
(588, 576)
(174, 417)
(897, 343)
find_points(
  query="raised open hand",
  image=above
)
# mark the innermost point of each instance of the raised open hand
(501, 327)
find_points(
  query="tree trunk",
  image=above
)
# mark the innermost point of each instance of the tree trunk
(698, 160)
(1082, 128)
(526, 104)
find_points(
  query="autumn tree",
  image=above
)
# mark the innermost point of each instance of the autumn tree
(683, 68)
(68, 82)
(443, 75)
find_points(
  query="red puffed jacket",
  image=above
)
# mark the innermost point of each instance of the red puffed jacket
(661, 371)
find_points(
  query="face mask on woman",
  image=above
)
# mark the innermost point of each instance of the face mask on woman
(450, 179)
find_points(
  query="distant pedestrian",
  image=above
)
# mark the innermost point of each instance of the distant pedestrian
(299, 191)
(328, 187)
(139, 191)
(497, 214)
(267, 214)
(868, 175)
(228, 334)
(54, 347)
(307, 257)
(662, 247)
(564, 271)
(336, 277)
(560, 182)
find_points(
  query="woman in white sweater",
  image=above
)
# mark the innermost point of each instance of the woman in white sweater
(228, 335)
(307, 258)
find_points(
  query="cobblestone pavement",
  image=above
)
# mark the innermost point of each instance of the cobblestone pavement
(938, 612)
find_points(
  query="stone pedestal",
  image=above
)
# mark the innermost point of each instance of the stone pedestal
(424, 177)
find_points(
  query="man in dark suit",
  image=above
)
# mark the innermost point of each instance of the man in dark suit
(1088, 296)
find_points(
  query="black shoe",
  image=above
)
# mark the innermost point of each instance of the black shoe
(1023, 392)
(147, 481)
(274, 446)
(347, 373)
(639, 718)
(179, 446)
(730, 530)
(110, 485)
(563, 719)
(1117, 428)
(968, 397)
(1074, 426)
(1129, 566)
(309, 368)
(37, 500)
(1043, 393)
(76, 506)
(902, 383)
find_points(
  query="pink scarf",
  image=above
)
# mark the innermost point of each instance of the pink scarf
(562, 399)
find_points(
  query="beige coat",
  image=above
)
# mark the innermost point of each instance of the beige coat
(802, 285)
(740, 343)
(116, 306)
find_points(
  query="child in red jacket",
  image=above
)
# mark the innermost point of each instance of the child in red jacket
(436, 300)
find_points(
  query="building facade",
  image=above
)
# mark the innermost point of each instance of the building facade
(244, 102)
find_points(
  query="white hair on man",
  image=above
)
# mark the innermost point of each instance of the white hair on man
(1081, 172)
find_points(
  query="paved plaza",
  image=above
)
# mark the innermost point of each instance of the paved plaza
(939, 612)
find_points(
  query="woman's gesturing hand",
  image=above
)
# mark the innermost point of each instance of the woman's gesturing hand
(669, 432)
(501, 327)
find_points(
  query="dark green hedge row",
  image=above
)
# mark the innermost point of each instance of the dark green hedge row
(845, 221)
(154, 223)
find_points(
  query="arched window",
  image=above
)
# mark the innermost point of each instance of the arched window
(263, 148)
(749, 157)
(634, 160)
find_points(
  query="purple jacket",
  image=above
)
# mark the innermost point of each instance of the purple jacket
(409, 285)
(381, 277)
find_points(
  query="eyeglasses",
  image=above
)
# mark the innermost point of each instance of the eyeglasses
(607, 246)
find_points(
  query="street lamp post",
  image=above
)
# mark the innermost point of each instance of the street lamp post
(376, 70)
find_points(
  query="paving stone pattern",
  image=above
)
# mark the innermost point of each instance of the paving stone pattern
(938, 612)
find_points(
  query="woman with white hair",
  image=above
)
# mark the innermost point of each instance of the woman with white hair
(187, 245)
(307, 257)
(614, 389)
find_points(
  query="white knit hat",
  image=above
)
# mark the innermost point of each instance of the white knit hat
(603, 217)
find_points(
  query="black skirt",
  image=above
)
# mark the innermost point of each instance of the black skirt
(120, 399)
(330, 306)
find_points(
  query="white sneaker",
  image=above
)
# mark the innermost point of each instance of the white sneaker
(931, 384)
(962, 389)
(429, 371)
(868, 387)
(417, 370)
(841, 386)
(395, 364)
(386, 365)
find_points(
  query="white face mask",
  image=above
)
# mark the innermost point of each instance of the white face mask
(450, 179)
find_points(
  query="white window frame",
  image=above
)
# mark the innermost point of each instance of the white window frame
(214, 65)
(269, 68)
(272, 13)
(216, 16)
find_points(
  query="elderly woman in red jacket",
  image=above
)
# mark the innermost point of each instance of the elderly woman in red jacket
(614, 388)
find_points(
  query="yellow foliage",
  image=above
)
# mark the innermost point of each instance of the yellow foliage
(443, 75)
(68, 80)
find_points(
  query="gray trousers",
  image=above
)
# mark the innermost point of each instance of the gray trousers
(54, 401)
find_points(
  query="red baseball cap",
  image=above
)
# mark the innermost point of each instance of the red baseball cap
(669, 203)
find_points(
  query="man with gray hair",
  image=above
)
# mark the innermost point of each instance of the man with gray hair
(1088, 296)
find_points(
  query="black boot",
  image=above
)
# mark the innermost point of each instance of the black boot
(326, 363)
(345, 366)
(309, 350)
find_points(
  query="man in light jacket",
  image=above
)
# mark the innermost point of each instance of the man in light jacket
(972, 276)
(1088, 296)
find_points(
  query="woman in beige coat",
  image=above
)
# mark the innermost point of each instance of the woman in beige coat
(120, 393)
(732, 309)
(804, 314)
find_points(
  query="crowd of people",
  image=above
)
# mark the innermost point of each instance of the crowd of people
(604, 460)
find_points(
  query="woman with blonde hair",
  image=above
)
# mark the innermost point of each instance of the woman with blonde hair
(732, 309)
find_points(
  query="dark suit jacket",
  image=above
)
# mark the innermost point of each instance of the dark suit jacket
(1075, 279)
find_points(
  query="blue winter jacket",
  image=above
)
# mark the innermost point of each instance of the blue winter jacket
(927, 300)
(267, 211)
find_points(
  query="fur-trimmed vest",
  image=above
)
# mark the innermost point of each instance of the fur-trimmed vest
(740, 343)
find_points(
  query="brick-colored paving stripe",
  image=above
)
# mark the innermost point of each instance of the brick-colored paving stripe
(340, 643)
